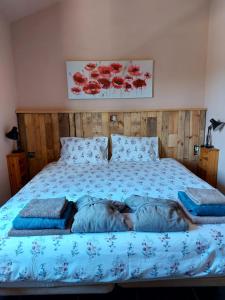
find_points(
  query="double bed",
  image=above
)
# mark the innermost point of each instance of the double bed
(100, 260)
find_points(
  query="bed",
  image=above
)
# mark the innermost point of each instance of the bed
(103, 259)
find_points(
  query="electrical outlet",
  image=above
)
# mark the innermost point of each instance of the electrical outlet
(31, 154)
(196, 149)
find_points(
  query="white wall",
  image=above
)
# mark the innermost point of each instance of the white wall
(174, 33)
(215, 79)
(7, 104)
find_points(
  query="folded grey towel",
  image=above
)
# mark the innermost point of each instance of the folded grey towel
(52, 208)
(38, 232)
(202, 219)
(205, 196)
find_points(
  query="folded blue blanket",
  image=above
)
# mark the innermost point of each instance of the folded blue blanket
(203, 209)
(45, 223)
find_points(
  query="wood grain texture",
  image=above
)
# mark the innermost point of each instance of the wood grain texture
(178, 131)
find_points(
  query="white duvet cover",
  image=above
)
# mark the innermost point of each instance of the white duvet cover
(109, 257)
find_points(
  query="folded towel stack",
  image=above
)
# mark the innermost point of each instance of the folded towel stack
(203, 206)
(44, 216)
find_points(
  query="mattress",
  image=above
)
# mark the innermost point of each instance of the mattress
(109, 257)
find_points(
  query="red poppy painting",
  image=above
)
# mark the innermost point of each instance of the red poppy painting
(109, 79)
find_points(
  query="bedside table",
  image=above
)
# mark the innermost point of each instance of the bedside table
(18, 171)
(208, 165)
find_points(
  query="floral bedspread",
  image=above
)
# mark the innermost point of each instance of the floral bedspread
(109, 257)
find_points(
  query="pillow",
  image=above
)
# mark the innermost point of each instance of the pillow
(155, 215)
(98, 215)
(84, 150)
(141, 149)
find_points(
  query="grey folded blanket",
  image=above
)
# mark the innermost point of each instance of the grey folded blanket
(154, 215)
(202, 219)
(205, 196)
(52, 208)
(37, 232)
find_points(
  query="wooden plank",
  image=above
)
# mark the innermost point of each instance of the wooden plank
(72, 124)
(194, 133)
(127, 124)
(55, 135)
(186, 135)
(22, 131)
(96, 124)
(43, 142)
(180, 136)
(173, 134)
(79, 125)
(28, 121)
(105, 124)
(202, 127)
(135, 121)
(172, 141)
(87, 124)
(64, 126)
(165, 132)
(51, 111)
(159, 130)
(159, 124)
(144, 118)
(49, 137)
(151, 126)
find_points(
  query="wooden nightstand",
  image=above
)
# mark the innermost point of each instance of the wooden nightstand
(208, 165)
(18, 171)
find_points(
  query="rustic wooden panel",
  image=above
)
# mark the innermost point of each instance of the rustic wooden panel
(144, 125)
(186, 135)
(55, 135)
(49, 138)
(96, 124)
(135, 124)
(105, 124)
(164, 134)
(151, 129)
(22, 130)
(127, 123)
(64, 125)
(87, 124)
(178, 131)
(202, 127)
(194, 133)
(181, 135)
(79, 125)
(72, 124)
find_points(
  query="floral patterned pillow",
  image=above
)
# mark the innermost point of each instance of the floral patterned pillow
(128, 148)
(84, 150)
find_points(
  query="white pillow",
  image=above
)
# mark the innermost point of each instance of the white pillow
(84, 150)
(128, 148)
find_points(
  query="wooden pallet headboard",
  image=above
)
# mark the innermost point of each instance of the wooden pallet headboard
(178, 131)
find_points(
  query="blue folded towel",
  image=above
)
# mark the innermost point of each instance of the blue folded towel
(203, 209)
(45, 223)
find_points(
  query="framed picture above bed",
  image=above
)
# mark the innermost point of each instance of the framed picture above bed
(110, 79)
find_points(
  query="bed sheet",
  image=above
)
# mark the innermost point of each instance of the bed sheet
(109, 257)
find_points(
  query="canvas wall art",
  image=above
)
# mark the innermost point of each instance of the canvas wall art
(110, 79)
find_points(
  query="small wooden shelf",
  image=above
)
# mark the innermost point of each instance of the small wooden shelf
(208, 165)
(18, 171)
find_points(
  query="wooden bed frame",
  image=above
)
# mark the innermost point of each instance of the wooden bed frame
(178, 130)
(107, 288)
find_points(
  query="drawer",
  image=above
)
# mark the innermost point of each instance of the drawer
(22, 164)
(204, 158)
